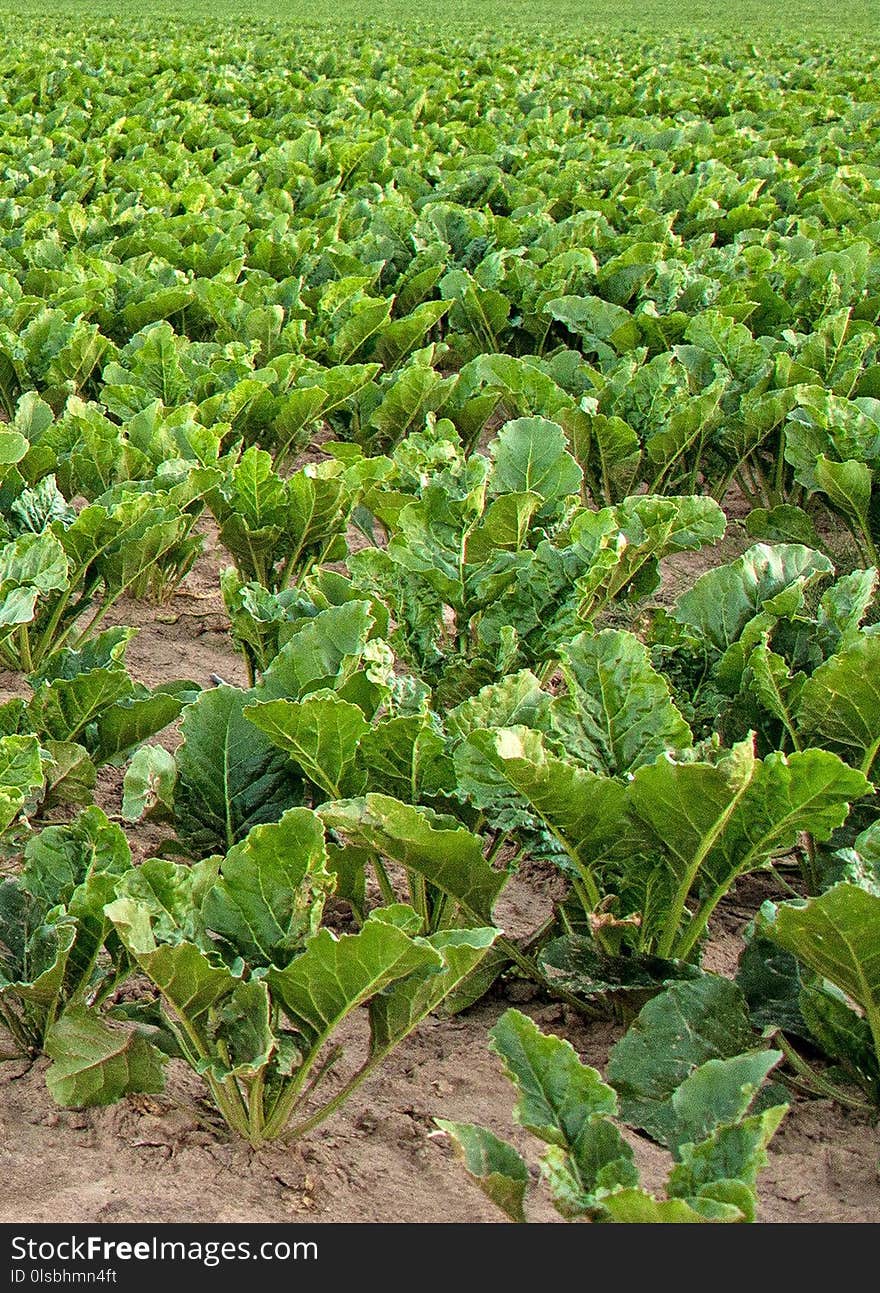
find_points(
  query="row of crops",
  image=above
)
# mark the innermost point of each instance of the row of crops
(532, 315)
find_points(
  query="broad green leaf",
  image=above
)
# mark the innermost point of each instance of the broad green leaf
(840, 702)
(722, 602)
(450, 860)
(166, 901)
(618, 713)
(13, 447)
(675, 1033)
(96, 1062)
(566, 1104)
(558, 1095)
(719, 1091)
(406, 757)
(782, 524)
(130, 722)
(106, 651)
(63, 708)
(21, 775)
(411, 397)
(845, 604)
(843, 1034)
(577, 1187)
(34, 957)
(848, 486)
(59, 858)
(582, 810)
(316, 510)
(320, 734)
(771, 681)
(731, 1154)
(770, 980)
(229, 775)
(396, 1011)
(598, 322)
(181, 972)
(611, 456)
(270, 893)
(504, 527)
(316, 655)
(334, 975)
(835, 935)
(34, 561)
(515, 701)
(530, 456)
(492, 1164)
(71, 775)
(712, 822)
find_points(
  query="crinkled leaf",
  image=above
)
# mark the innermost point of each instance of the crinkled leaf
(406, 757)
(96, 1062)
(334, 975)
(63, 708)
(675, 1033)
(722, 602)
(320, 734)
(618, 713)
(241, 1033)
(270, 894)
(557, 1094)
(639, 1207)
(580, 809)
(182, 973)
(514, 701)
(450, 860)
(315, 656)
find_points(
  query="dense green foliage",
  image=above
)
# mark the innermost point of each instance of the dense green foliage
(460, 344)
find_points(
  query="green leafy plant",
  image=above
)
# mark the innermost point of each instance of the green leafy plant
(60, 964)
(489, 567)
(828, 986)
(277, 529)
(88, 711)
(253, 991)
(229, 775)
(599, 776)
(59, 584)
(717, 1139)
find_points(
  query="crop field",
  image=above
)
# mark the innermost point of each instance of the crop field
(439, 612)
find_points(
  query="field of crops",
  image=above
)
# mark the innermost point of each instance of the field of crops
(439, 615)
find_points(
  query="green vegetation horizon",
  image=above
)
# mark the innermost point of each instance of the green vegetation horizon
(568, 18)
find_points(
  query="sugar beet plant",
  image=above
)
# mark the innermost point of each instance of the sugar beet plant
(254, 991)
(707, 1113)
(532, 326)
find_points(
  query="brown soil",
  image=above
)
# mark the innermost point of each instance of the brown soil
(380, 1159)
